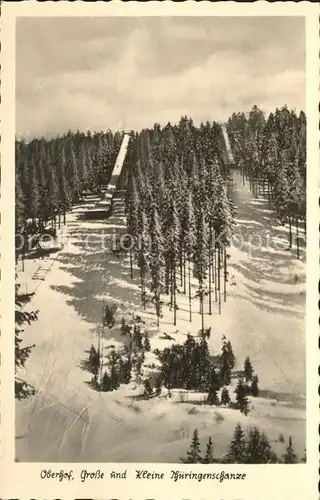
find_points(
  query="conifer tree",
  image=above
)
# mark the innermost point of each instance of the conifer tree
(114, 375)
(173, 252)
(72, 172)
(20, 207)
(254, 386)
(94, 360)
(156, 261)
(258, 449)
(132, 211)
(106, 383)
(213, 385)
(22, 318)
(248, 370)
(227, 361)
(143, 254)
(290, 457)
(227, 347)
(212, 398)
(241, 397)
(65, 197)
(190, 244)
(225, 398)
(208, 458)
(53, 195)
(201, 259)
(194, 454)
(34, 194)
(237, 447)
(225, 371)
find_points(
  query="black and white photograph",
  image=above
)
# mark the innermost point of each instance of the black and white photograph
(161, 240)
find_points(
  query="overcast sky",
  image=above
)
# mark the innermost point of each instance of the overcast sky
(100, 73)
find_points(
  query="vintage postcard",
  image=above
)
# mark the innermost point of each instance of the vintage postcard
(159, 259)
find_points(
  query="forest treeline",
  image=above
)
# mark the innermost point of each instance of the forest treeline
(250, 447)
(52, 174)
(271, 152)
(179, 217)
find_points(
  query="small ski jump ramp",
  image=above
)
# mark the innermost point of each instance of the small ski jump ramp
(102, 208)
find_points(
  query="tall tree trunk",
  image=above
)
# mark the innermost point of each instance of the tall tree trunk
(174, 296)
(190, 308)
(215, 275)
(297, 238)
(64, 217)
(59, 220)
(142, 278)
(171, 286)
(290, 232)
(210, 252)
(225, 275)
(202, 309)
(167, 276)
(99, 352)
(210, 308)
(158, 308)
(219, 283)
(131, 263)
(181, 269)
(184, 273)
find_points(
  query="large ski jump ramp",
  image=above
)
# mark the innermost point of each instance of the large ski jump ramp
(102, 208)
(119, 164)
(226, 140)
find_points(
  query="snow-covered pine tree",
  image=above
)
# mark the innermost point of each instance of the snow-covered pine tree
(33, 192)
(258, 449)
(190, 240)
(241, 397)
(248, 370)
(225, 397)
(194, 454)
(22, 317)
(254, 386)
(237, 447)
(201, 252)
(156, 261)
(290, 457)
(227, 361)
(208, 457)
(65, 195)
(72, 171)
(143, 252)
(132, 203)
(172, 241)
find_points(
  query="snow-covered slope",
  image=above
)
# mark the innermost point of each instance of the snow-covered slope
(263, 317)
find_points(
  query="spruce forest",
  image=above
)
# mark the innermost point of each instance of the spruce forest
(156, 322)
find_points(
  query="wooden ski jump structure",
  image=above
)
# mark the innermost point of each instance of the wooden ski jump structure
(103, 207)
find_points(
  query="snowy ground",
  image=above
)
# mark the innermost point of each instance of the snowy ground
(263, 317)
